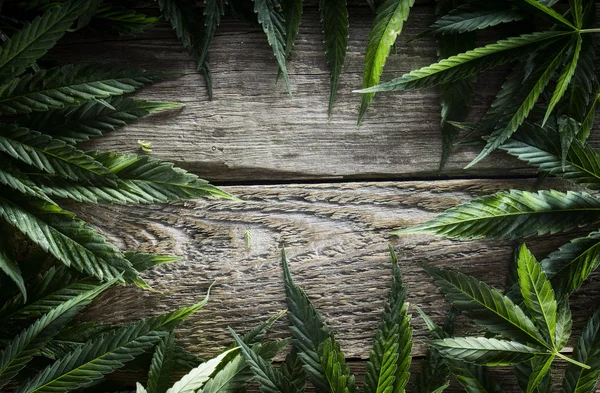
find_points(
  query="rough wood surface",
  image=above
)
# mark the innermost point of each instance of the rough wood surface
(336, 234)
(253, 131)
(336, 238)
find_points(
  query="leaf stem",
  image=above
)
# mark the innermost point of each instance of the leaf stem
(584, 31)
(568, 359)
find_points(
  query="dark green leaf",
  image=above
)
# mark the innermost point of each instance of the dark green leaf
(35, 39)
(271, 19)
(70, 85)
(161, 366)
(512, 119)
(309, 332)
(10, 267)
(270, 379)
(334, 20)
(213, 10)
(587, 350)
(70, 240)
(539, 373)
(567, 129)
(541, 148)
(92, 119)
(473, 16)
(30, 341)
(115, 18)
(107, 352)
(475, 379)
(570, 265)
(514, 214)
(53, 156)
(486, 306)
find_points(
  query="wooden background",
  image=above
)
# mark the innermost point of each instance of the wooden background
(327, 190)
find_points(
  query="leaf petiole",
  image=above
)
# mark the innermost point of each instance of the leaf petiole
(568, 359)
(584, 31)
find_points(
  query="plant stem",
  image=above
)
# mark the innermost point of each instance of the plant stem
(583, 31)
(568, 359)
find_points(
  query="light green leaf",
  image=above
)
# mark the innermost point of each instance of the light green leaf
(538, 374)
(10, 267)
(486, 306)
(35, 39)
(564, 79)
(194, 380)
(514, 214)
(538, 295)
(273, 24)
(388, 23)
(336, 371)
(389, 360)
(334, 21)
(469, 63)
(92, 119)
(587, 351)
(486, 351)
(18, 352)
(564, 323)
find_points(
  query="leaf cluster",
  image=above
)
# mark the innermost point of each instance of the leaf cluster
(528, 328)
(44, 114)
(55, 354)
(552, 79)
(280, 21)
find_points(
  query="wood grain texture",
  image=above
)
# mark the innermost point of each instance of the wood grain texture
(336, 237)
(253, 132)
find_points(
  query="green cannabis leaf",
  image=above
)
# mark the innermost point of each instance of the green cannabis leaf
(554, 69)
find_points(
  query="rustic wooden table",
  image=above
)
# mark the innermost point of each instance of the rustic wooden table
(327, 190)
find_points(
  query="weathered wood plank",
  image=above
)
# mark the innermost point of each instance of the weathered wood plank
(336, 237)
(253, 132)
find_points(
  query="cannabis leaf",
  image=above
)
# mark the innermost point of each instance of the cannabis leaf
(92, 119)
(33, 41)
(334, 21)
(313, 340)
(21, 350)
(273, 24)
(514, 214)
(559, 59)
(388, 23)
(387, 368)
